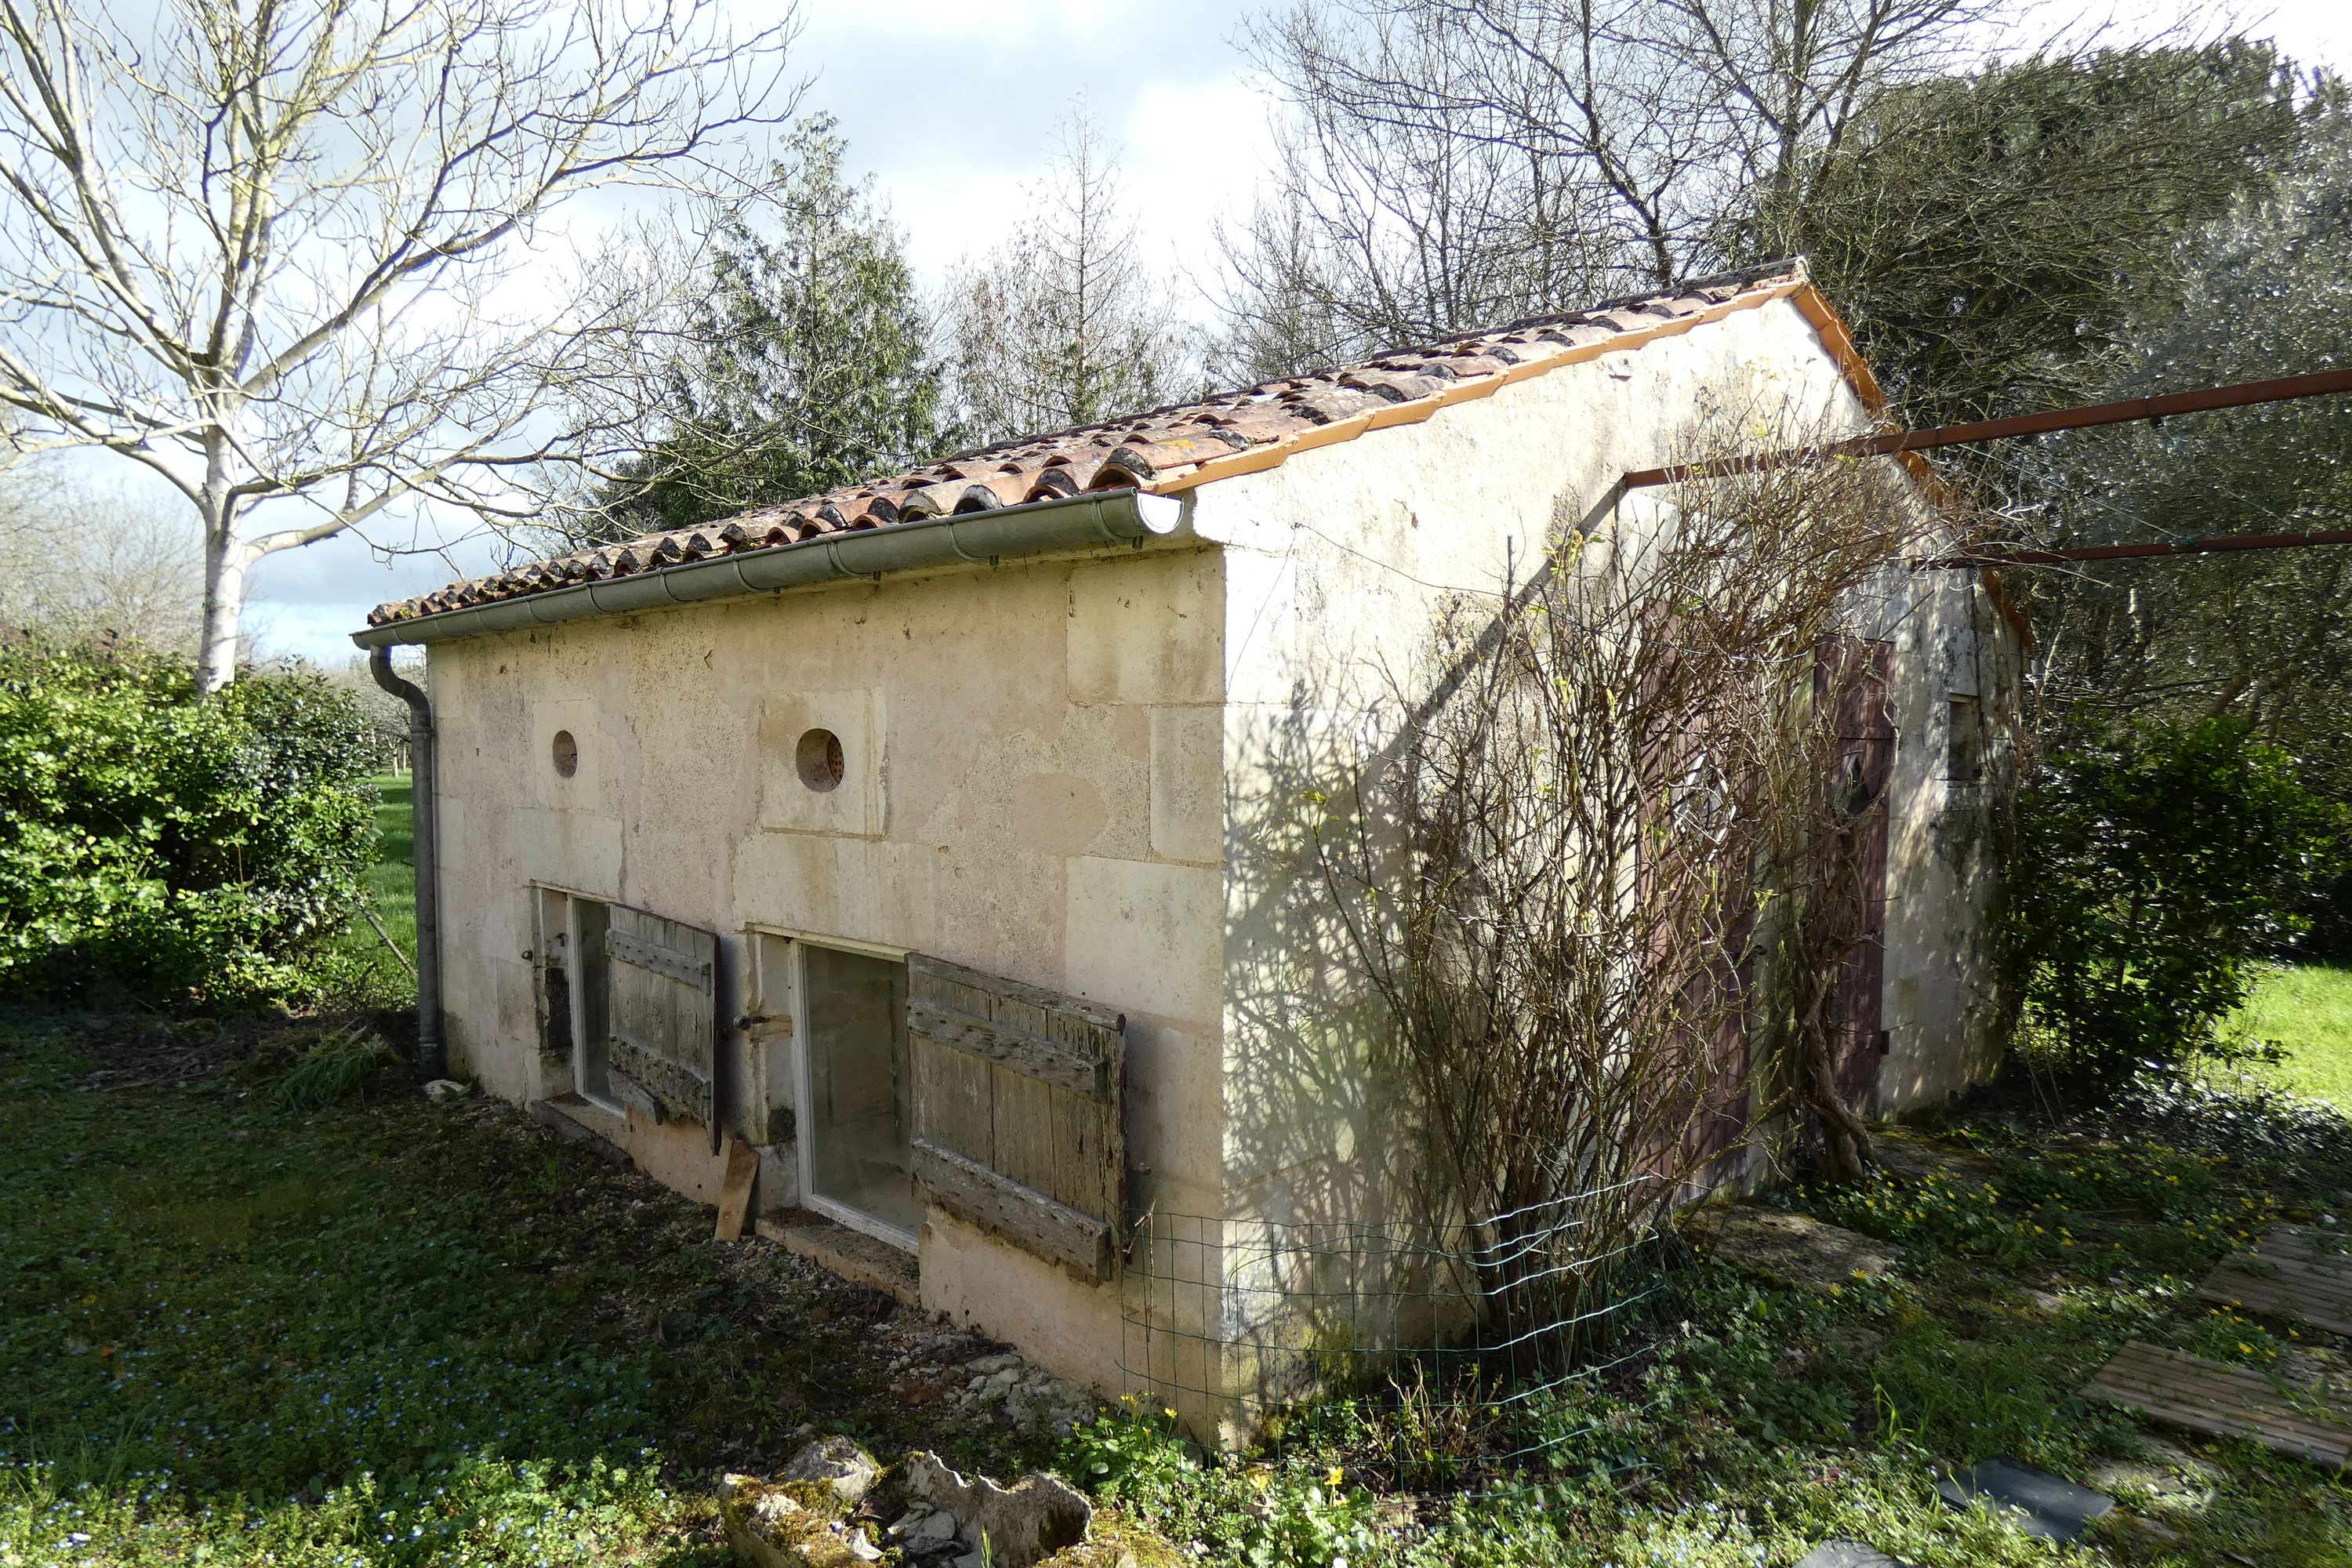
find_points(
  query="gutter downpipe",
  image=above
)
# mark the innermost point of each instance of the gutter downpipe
(432, 1053)
(1092, 521)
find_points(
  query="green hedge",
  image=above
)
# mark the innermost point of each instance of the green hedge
(2160, 861)
(156, 845)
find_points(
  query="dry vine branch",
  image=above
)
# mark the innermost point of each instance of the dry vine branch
(1606, 879)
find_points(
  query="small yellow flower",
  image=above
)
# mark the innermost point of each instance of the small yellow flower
(1335, 1477)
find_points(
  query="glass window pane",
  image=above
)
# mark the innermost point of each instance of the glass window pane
(589, 919)
(856, 1012)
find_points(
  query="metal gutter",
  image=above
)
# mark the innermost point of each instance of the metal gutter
(432, 1052)
(979, 537)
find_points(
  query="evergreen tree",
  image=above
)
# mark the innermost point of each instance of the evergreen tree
(807, 364)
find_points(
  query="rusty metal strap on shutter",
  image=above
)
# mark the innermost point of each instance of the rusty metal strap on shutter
(663, 961)
(979, 1196)
(1051, 1061)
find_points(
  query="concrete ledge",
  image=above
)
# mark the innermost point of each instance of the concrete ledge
(854, 1255)
(581, 1121)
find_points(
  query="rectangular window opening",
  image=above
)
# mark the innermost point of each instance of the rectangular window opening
(1964, 752)
(854, 1134)
(591, 990)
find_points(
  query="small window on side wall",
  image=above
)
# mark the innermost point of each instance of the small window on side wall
(1964, 747)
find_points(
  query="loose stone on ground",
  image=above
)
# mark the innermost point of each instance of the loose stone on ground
(806, 1517)
(837, 1463)
(1789, 1248)
(1020, 1525)
(2045, 1506)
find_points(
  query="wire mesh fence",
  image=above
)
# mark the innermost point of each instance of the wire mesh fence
(1490, 1330)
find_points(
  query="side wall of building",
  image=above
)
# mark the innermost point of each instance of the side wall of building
(1338, 564)
(1032, 788)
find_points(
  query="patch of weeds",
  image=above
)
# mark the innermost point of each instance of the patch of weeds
(2294, 1147)
(330, 1067)
(2228, 1335)
(1940, 1213)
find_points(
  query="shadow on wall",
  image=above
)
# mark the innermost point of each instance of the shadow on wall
(1461, 1086)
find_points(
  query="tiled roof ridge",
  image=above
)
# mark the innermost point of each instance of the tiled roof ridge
(1164, 449)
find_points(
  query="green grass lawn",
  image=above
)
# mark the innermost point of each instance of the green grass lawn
(2307, 1008)
(391, 890)
(385, 1331)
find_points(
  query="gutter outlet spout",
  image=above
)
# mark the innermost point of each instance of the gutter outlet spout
(432, 1052)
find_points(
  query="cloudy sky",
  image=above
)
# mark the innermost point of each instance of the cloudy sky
(951, 105)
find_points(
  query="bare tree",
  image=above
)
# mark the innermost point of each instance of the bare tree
(1458, 161)
(1604, 882)
(278, 250)
(1065, 324)
(91, 560)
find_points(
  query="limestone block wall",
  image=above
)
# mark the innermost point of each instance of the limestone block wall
(1954, 669)
(1337, 565)
(1032, 788)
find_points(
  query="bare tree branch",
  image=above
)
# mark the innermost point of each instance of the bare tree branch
(281, 250)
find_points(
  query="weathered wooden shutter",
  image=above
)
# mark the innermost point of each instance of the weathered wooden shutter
(1017, 1112)
(662, 1015)
(1857, 675)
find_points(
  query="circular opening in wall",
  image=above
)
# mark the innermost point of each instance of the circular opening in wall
(820, 759)
(567, 753)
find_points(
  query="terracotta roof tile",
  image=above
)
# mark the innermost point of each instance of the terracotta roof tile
(1162, 449)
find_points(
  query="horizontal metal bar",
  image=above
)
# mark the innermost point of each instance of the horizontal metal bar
(2136, 552)
(2203, 400)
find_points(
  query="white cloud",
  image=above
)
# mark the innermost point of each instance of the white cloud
(994, 23)
(1194, 152)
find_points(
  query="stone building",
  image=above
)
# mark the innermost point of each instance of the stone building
(906, 833)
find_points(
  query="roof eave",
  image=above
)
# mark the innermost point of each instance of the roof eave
(1097, 520)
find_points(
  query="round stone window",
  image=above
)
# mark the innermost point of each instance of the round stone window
(820, 759)
(567, 753)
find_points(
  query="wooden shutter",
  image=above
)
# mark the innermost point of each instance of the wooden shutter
(1017, 1112)
(662, 1015)
(1858, 676)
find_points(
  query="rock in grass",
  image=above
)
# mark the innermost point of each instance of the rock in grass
(771, 1525)
(2049, 1506)
(838, 1463)
(1023, 1524)
(1114, 1542)
(1789, 1248)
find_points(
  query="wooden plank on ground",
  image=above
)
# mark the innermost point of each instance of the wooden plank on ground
(735, 1189)
(2228, 1400)
(2288, 1274)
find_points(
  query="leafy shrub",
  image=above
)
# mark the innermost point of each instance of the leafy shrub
(154, 842)
(2157, 862)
